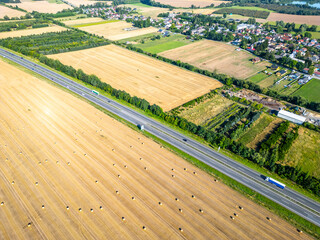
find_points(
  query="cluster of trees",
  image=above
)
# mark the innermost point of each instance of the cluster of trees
(142, 23)
(213, 138)
(234, 119)
(244, 12)
(275, 136)
(287, 142)
(252, 104)
(223, 37)
(63, 13)
(8, 26)
(156, 4)
(241, 128)
(54, 42)
(10, 1)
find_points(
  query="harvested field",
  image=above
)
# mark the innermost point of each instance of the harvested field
(158, 82)
(41, 6)
(82, 21)
(115, 30)
(212, 55)
(59, 177)
(5, 11)
(311, 20)
(188, 3)
(32, 31)
(77, 3)
(146, 10)
(204, 111)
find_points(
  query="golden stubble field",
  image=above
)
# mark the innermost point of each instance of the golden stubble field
(161, 83)
(5, 11)
(68, 171)
(41, 6)
(77, 3)
(188, 3)
(300, 19)
(28, 32)
(213, 55)
(82, 21)
(115, 30)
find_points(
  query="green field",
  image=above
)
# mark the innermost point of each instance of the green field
(249, 8)
(269, 81)
(305, 152)
(162, 44)
(258, 77)
(257, 128)
(95, 23)
(310, 91)
(139, 5)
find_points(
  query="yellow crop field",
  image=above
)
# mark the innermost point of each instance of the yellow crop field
(68, 171)
(27, 32)
(213, 55)
(161, 83)
(82, 21)
(5, 11)
(117, 30)
(41, 6)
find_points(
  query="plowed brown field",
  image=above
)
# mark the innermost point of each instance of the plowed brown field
(58, 167)
(158, 82)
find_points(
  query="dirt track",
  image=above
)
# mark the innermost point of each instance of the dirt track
(56, 151)
(158, 82)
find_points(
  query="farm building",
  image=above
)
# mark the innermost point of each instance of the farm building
(291, 117)
(256, 60)
(281, 72)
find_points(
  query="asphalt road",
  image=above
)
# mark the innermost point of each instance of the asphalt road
(288, 198)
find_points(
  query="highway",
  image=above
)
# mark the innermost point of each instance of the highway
(288, 198)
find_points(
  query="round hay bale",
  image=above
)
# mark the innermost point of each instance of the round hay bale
(172, 175)
(91, 209)
(46, 160)
(235, 214)
(42, 206)
(67, 207)
(216, 180)
(142, 143)
(200, 210)
(180, 229)
(144, 228)
(131, 146)
(140, 158)
(269, 219)
(96, 181)
(39, 163)
(113, 150)
(101, 207)
(57, 162)
(241, 208)
(74, 152)
(20, 152)
(125, 166)
(29, 224)
(2, 203)
(193, 196)
(113, 164)
(119, 176)
(160, 203)
(80, 209)
(85, 154)
(145, 168)
(180, 210)
(123, 218)
(299, 231)
(36, 183)
(117, 192)
(12, 182)
(161, 146)
(194, 173)
(232, 217)
(133, 198)
(177, 199)
(185, 169)
(172, 169)
(69, 163)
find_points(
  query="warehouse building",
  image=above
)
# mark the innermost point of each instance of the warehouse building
(291, 117)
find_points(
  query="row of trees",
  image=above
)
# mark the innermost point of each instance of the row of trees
(9, 26)
(244, 12)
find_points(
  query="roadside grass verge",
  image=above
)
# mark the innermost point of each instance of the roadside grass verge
(95, 23)
(294, 219)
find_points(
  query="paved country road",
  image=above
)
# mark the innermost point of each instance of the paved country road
(288, 198)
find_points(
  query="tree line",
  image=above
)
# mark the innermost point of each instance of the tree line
(244, 12)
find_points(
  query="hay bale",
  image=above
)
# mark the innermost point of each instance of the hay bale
(123, 218)
(125, 166)
(177, 199)
(133, 198)
(113, 164)
(96, 181)
(299, 231)
(2, 203)
(57, 162)
(39, 163)
(200, 210)
(36, 183)
(144, 228)
(235, 214)
(67, 207)
(216, 180)
(180, 210)
(241, 208)
(160, 203)
(140, 158)
(172, 169)
(269, 219)
(232, 217)
(117, 192)
(119, 176)
(113, 149)
(131, 146)
(185, 169)
(29, 224)
(69, 163)
(42, 206)
(145, 168)
(80, 209)
(142, 143)
(193, 196)
(101, 207)
(12, 182)
(172, 175)
(194, 173)
(91, 209)
(180, 229)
